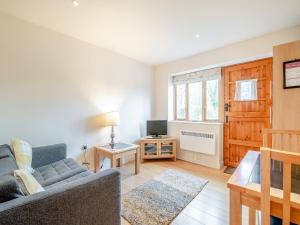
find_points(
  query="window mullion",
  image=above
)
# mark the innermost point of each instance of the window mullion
(187, 101)
(175, 101)
(203, 101)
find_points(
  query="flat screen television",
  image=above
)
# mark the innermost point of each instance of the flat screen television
(157, 128)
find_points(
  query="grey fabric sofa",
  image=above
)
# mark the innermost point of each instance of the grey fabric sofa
(72, 196)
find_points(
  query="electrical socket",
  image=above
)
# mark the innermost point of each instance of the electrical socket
(84, 147)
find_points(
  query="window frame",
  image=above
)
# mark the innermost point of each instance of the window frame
(204, 117)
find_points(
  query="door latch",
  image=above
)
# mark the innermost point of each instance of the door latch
(226, 107)
(226, 119)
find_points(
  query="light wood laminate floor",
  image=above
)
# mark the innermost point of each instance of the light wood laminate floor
(210, 207)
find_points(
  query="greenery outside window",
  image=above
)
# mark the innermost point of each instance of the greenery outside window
(196, 99)
(181, 101)
(212, 100)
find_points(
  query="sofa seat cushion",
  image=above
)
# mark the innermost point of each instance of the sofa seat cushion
(58, 171)
(9, 188)
(70, 179)
(7, 161)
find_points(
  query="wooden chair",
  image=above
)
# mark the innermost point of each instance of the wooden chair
(284, 196)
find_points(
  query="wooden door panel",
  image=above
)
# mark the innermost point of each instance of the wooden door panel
(246, 130)
(237, 153)
(257, 106)
(245, 120)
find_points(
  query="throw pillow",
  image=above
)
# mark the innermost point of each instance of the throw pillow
(23, 153)
(28, 183)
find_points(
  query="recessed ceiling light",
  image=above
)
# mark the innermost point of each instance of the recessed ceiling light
(75, 3)
(197, 36)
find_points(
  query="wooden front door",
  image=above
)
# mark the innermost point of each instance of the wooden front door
(244, 120)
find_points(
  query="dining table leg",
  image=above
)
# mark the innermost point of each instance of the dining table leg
(235, 208)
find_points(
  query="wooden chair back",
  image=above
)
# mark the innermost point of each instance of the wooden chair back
(287, 140)
(287, 158)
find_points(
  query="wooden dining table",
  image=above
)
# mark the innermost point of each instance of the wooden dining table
(244, 186)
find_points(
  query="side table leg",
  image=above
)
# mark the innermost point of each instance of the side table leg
(96, 160)
(120, 162)
(113, 162)
(137, 161)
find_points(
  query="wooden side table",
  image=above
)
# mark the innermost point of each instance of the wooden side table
(114, 154)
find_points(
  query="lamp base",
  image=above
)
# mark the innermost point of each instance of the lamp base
(112, 136)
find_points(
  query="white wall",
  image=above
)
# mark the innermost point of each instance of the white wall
(255, 48)
(52, 86)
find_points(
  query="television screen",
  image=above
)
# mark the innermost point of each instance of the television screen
(157, 127)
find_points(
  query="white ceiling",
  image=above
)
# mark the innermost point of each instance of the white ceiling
(158, 31)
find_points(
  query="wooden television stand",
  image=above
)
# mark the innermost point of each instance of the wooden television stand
(158, 148)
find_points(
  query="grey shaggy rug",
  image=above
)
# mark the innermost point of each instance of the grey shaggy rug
(160, 200)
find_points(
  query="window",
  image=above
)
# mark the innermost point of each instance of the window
(195, 101)
(212, 100)
(246, 90)
(196, 96)
(180, 101)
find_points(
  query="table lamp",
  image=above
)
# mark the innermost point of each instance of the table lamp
(111, 119)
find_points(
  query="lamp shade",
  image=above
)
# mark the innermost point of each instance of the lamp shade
(111, 118)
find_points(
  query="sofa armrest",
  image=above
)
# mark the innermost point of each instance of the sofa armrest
(44, 155)
(93, 200)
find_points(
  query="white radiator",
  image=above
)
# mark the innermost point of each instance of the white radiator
(201, 142)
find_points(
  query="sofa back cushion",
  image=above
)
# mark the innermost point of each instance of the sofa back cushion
(5, 151)
(9, 188)
(7, 161)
